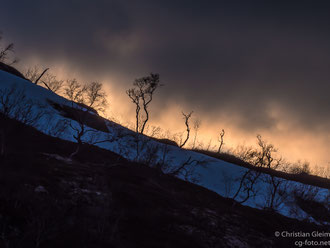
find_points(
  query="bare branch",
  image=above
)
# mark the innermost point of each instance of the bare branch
(222, 134)
(46, 85)
(74, 90)
(36, 82)
(260, 158)
(48, 80)
(196, 126)
(5, 51)
(142, 95)
(15, 105)
(186, 117)
(187, 169)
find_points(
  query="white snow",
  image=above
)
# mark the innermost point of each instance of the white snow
(216, 175)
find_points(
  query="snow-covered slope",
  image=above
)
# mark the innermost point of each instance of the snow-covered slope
(211, 173)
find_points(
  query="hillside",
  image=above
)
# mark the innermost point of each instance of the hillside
(300, 177)
(123, 190)
(102, 200)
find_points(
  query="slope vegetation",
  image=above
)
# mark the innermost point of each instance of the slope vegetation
(101, 199)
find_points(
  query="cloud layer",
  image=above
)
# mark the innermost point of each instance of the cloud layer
(256, 65)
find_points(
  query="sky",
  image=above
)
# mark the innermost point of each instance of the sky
(249, 67)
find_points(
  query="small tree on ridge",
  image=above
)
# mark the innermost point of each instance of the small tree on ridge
(141, 95)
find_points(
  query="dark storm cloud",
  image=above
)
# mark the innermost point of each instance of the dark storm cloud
(238, 58)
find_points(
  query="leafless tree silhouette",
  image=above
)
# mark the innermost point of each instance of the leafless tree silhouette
(86, 99)
(74, 90)
(196, 127)
(95, 96)
(220, 139)
(5, 52)
(187, 169)
(260, 158)
(186, 118)
(141, 95)
(15, 105)
(50, 81)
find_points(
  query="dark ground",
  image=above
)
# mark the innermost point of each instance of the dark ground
(102, 200)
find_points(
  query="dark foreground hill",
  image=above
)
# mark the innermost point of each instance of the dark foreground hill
(102, 200)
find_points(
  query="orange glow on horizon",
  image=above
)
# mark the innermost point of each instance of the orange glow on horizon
(293, 143)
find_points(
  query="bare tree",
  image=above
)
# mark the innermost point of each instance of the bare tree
(164, 160)
(228, 182)
(5, 52)
(15, 105)
(209, 147)
(80, 130)
(247, 185)
(196, 126)
(92, 95)
(150, 155)
(322, 171)
(274, 191)
(299, 168)
(74, 90)
(95, 96)
(37, 80)
(136, 100)
(220, 139)
(187, 169)
(33, 73)
(141, 95)
(80, 116)
(52, 83)
(85, 98)
(186, 118)
(58, 128)
(260, 158)
(49, 81)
